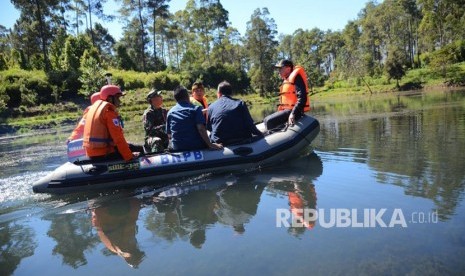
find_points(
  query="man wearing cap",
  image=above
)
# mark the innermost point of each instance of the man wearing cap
(293, 96)
(154, 119)
(103, 133)
(185, 125)
(198, 97)
(229, 120)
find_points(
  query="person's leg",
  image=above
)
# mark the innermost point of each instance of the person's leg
(136, 148)
(276, 119)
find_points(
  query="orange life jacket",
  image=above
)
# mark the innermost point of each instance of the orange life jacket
(288, 95)
(103, 131)
(297, 208)
(203, 103)
(96, 134)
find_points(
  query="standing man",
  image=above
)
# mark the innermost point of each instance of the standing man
(293, 99)
(229, 119)
(103, 133)
(154, 119)
(185, 124)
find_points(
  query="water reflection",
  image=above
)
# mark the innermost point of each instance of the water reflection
(187, 212)
(17, 242)
(237, 204)
(116, 227)
(420, 150)
(73, 236)
(401, 151)
(183, 213)
(299, 191)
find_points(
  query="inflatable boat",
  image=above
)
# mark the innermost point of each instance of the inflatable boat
(273, 148)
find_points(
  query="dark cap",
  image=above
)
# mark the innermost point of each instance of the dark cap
(284, 62)
(153, 93)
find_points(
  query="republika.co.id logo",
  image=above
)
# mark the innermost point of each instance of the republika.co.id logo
(342, 217)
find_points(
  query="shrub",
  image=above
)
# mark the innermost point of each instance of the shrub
(163, 80)
(20, 87)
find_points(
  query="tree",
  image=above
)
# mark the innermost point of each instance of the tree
(229, 50)
(261, 45)
(157, 9)
(306, 51)
(5, 44)
(371, 38)
(285, 46)
(95, 7)
(442, 22)
(395, 64)
(37, 20)
(134, 44)
(123, 60)
(93, 75)
(103, 41)
(134, 10)
(350, 62)
(332, 44)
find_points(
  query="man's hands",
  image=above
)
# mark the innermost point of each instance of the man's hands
(291, 120)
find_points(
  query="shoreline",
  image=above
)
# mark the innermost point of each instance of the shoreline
(8, 131)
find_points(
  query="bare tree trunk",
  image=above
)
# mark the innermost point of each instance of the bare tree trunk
(154, 42)
(90, 22)
(368, 86)
(142, 37)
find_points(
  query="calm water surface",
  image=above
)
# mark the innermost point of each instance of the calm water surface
(385, 177)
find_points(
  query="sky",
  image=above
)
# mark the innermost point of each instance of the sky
(288, 15)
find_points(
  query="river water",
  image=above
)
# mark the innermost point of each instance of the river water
(381, 191)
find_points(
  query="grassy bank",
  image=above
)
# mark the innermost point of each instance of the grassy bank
(417, 79)
(134, 103)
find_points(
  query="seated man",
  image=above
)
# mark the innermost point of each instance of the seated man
(198, 97)
(154, 120)
(229, 119)
(185, 124)
(103, 133)
(293, 95)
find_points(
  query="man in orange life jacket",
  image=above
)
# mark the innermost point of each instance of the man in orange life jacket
(103, 133)
(79, 129)
(293, 101)
(198, 97)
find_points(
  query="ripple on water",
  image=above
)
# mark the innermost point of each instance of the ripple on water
(17, 190)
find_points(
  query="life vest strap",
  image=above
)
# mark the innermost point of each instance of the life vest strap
(100, 140)
(288, 92)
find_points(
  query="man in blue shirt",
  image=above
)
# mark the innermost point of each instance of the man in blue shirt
(229, 119)
(185, 124)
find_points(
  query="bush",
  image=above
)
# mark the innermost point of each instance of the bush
(66, 84)
(163, 80)
(128, 80)
(20, 87)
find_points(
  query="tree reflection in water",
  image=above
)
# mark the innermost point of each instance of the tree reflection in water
(73, 236)
(17, 242)
(416, 142)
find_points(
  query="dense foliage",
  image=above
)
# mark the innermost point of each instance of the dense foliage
(56, 52)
